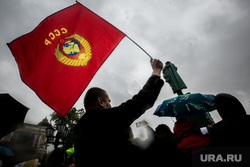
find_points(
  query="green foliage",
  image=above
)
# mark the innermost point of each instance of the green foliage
(71, 119)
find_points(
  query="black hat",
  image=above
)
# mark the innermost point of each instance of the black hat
(228, 106)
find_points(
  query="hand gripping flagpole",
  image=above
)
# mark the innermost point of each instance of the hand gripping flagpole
(140, 47)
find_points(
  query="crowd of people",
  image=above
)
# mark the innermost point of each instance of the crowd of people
(103, 136)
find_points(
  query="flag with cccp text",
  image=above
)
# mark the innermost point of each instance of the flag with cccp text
(61, 55)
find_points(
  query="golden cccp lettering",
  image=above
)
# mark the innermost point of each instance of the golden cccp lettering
(64, 30)
(47, 42)
(57, 32)
(54, 34)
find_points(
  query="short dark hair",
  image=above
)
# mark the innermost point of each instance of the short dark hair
(162, 128)
(91, 97)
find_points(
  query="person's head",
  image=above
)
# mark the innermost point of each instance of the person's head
(162, 131)
(96, 98)
(228, 106)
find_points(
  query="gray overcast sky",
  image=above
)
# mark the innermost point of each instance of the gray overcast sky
(209, 42)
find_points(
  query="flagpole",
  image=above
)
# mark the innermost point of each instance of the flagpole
(140, 47)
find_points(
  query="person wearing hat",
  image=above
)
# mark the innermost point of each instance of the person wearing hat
(233, 129)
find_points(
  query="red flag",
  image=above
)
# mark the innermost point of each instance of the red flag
(61, 55)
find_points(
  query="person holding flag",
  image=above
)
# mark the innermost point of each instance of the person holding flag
(59, 58)
(99, 134)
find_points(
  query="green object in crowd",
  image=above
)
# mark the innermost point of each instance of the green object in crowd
(70, 151)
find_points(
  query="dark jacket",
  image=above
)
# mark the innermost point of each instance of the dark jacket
(163, 152)
(99, 134)
(231, 133)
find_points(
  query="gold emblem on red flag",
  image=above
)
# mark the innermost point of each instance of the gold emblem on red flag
(73, 50)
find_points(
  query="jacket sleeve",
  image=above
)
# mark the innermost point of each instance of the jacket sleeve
(145, 99)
